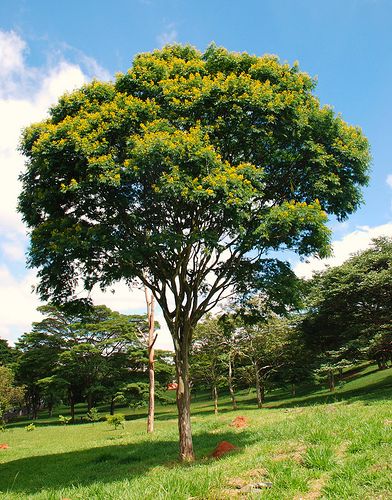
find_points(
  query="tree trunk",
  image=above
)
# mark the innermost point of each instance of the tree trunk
(259, 390)
(72, 405)
(50, 409)
(151, 361)
(230, 383)
(112, 406)
(292, 390)
(215, 395)
(382, 362)
(89, 401)
(184, 401)
(331, 381)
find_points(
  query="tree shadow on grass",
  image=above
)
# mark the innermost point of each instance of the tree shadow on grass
(106, 464)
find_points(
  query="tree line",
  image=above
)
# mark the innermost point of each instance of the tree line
(98, 357)
(344, 317)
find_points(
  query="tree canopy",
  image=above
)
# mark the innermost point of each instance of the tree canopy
(350, 307)
(183, 173)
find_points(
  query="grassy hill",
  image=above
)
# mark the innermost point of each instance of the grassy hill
(316, 445)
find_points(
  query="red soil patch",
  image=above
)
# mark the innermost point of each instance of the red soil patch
(3, 446)
(240, 422)
(222, 448)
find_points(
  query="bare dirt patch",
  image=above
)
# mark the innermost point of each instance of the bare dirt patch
(252, 481)
(292, 451)
(315, 488)
(4, 446)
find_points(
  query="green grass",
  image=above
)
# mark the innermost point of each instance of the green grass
(312, 446)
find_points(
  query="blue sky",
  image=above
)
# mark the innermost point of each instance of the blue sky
(47, 48)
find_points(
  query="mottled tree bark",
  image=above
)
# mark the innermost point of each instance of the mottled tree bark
(151, 370)
(331, 381)
(215, 396)
(184, 401)
(230, 383)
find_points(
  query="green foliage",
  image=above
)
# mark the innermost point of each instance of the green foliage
(116, 420)
(64, 420)
(350, 313)
(136, 394)
(30, 427)
(7, 353)
(93, 415)
(183, 158)
(10, 394)
(209, 357)
(182, 174)
(70, 356)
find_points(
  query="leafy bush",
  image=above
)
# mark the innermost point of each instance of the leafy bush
(64, 420)
(93, 415)
(116, 420)
(30, 427)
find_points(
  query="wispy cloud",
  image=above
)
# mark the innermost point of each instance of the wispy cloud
(168, 36)
(389, 180)
(344, 248)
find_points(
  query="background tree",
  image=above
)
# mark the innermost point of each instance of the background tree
(10, 394)
(182, 175)
(7, 353)
(91, 355)
(264, 345)
(209, 357)
(297, 360)
(350, 308)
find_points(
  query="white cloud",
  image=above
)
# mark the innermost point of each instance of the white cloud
(25, 96)
(169, 36)
(389, 180)
(360, 239)
(18, 304)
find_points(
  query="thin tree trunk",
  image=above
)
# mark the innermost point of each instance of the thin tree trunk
(292, 390)
(72, 405)
(331, 381)
(151, 361)
(384, 365)
(215, 394)
(259, 392)
(230, 383)
(89, 401)
(50, 409)
(112, 406)
(184, 401)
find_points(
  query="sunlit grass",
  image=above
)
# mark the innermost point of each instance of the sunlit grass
(337, 450)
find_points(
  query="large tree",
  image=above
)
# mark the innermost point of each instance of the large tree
(87, 355)
(350, 308)
(10, 394)
(182, 174)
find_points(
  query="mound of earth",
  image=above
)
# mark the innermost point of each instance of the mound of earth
(222, 448)
(240, 422)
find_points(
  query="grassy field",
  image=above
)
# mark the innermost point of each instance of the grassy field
(312, 446)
